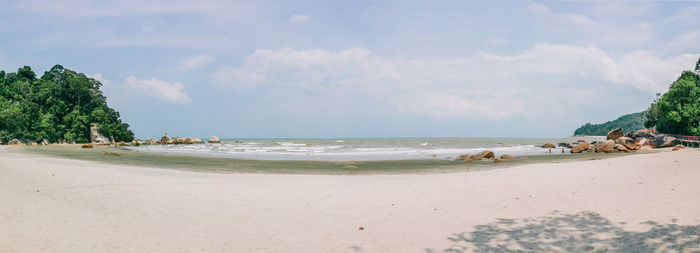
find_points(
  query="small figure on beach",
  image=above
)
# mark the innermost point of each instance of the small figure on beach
(562, 150)
(550, 150)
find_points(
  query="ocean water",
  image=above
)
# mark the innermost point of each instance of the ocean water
(357, 149)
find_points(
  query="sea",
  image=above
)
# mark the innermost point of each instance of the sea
(357, 149)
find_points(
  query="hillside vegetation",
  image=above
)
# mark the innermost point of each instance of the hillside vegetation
(629, 122)
(60, 105)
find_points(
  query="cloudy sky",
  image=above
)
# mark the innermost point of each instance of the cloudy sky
(360, 68)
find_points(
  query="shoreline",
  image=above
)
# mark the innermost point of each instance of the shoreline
(120, 156)
(65, 205)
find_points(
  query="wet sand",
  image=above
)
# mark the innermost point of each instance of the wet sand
(62, 205)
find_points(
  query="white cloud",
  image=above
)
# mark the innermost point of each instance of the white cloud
(487, 85)
(687, 41)
(298, 18)
(170, 92)
(125, 7)
(195, 62)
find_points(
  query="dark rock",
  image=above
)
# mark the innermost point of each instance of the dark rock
(627, 142)
(662, 141)
(505, 156)
(548, 145)
(615, 133)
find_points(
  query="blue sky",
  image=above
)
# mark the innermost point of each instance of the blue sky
(360, 68)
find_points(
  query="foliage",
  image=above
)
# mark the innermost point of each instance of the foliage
(678, 111)
(60, 105)
(629, 122)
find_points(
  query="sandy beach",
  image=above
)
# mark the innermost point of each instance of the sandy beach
(629, 203)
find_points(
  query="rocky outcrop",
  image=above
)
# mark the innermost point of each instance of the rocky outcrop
(621, 148)
(548, 145)
(662, 141)
(137, 142)
(97, 137)
(605, 146)
(167, 139)
(150, 141)
(214, 139)
(486, 155)
(564, 145)
(15, 142)
(615, 133)
(628, 142)
(506, 156)
(678, 147)
(582, 146)
(483, 156)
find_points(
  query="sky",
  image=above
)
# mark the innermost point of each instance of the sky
(343, 69)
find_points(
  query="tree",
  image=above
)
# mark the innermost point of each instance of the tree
(697, 67)
(678, 110)
(60, 105)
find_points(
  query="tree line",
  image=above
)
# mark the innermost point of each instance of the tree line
(60, 105)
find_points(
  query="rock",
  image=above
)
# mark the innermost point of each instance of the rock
(621, 147)
(214, 139)
(86, 146)
(606, 146)
(591, 149)
(462, 157)
(35, 144)
(627, 142)
(348, 166)
(580, 140)
(486, 154)
(641, 141)
(14, 142)
(583, 146)
(97, 137)
(507, 157)
(548, 145)
(678, 147)
(136, 142)
(564, 144)
(615, 133)
(194, 140)
(150, 141)
(166, 139)
(45, 142)
(646, 147)
(662, 141)
(497, 160)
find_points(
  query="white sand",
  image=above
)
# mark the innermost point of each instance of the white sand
(60, 205)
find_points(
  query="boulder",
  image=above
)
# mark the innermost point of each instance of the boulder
(462, 157)
(14, 142)
(591, 149)
(678, 147)
(564, 145)
(194, 140)
(150, 141)
(622, 148)
(605, 146)
(137, 142)
(166, 139)
(497, 160)
(548, 145)
(485, 155)
(627, 142)
(662, 141)
(641, 141)
(583, 146)
(615, 133)
(97, 137)
(86, 146)
(34, 143)
(44, 142)
(646, 147)
(214, 139)
(505, 156)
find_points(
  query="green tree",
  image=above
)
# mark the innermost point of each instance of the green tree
(60, 105)
(678, 110)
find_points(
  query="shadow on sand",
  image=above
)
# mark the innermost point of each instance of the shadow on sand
(582, 232)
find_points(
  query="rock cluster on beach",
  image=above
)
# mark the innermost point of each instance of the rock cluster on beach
(617, 141)
(485, 155)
